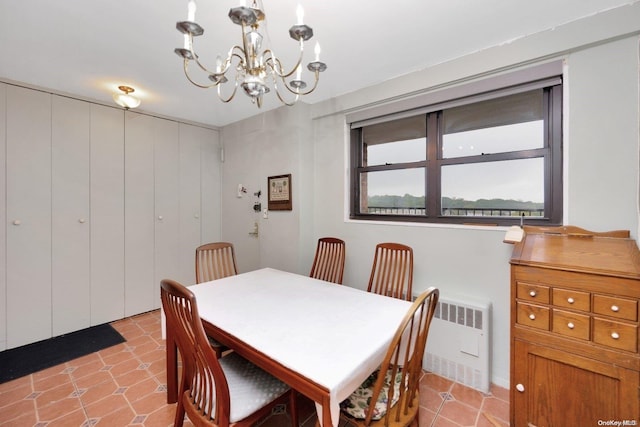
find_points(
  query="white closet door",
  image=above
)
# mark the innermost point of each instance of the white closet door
(167, 203)
(210, 176)
(107, 214)
(192, 138)
(3, 218)
(28, 216)
(139, 214)
(70, 275)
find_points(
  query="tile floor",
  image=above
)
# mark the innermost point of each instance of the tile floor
(124, 385)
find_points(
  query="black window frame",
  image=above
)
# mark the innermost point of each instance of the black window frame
(551, 152)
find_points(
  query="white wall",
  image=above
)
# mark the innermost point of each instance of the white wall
(273, 143)
(601, 168)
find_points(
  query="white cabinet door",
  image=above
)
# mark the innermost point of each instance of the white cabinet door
(167, 203)
(139, 214)
(191, 141)
(210, 178)
(70, 274)
(107, 214)
(199, 194)
(3, 218)
(28, 216)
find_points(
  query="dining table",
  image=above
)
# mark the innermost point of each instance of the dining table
(320, 338)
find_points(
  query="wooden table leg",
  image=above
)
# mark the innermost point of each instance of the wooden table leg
(172, 368)
(326, 412)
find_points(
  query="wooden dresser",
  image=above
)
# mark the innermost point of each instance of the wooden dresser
(575, 328)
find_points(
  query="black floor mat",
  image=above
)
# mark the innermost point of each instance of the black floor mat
(25, 360)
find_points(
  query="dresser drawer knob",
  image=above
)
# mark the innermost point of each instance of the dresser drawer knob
(615, 308)
(533, 293)
(520, 388)
(532, 316)
(570, 325)
(570, 300)
(615, 335)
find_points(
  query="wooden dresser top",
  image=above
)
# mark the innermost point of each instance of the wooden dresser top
(578, 250)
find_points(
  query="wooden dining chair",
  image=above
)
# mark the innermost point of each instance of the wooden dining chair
(215, 261)
(390, 396)
(392, 271)
(216, 391)
(328, 263)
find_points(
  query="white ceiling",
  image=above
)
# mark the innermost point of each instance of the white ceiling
(89, 47)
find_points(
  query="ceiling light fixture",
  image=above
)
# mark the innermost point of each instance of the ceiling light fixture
(125, 99)
(254, 68)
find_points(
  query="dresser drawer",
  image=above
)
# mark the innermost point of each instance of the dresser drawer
(571, 324)
(621, 308)
(534, 316)
(533, 293)
(623, 336)
(568, 298)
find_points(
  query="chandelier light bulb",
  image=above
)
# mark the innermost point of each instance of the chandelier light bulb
(300, 14)
(316, 50)
(191, 11)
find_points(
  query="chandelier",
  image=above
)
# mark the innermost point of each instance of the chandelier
(247, 65)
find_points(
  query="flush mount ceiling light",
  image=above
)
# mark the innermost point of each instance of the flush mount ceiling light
(248, 65)
(125, 99)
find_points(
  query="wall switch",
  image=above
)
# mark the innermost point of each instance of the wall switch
(265, 214)
(241, 190)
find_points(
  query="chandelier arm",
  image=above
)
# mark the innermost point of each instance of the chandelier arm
(193, 82)
(272, 60)
(233, 94)
(315, 85)
(281, 98)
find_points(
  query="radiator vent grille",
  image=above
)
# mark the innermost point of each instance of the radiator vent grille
(458, 343)
(461, 315)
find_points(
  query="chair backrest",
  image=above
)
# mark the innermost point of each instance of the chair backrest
(403, 362)
(215, 261)
(392, 271)
(207, 386)
(328, 263)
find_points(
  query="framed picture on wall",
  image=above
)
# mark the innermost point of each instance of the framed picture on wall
(279, 193)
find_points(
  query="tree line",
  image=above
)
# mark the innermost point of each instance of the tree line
(409, 201)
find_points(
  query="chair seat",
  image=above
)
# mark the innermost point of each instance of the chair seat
(250, 388)
(358, 403)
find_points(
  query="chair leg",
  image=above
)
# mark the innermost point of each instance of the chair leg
(293, 407)
(179, 419)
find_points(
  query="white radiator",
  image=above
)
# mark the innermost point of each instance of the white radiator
(458, 343)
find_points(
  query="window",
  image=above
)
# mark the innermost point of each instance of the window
(488, 158)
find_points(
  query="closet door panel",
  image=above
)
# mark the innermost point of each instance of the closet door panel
(191, 142)
(107, 214)
(28, 160)
(3, 218)
(167, 203)
(210, 175)
(139, 214)
(70, 275)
